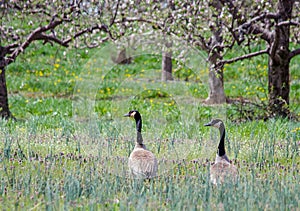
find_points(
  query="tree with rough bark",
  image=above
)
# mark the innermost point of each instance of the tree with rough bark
(217, 26)
(64, 23)
(214, 47)
(189, 20)
(151, 16)
(201, 23)
(277, 24)
(166, 64)
(214, 26)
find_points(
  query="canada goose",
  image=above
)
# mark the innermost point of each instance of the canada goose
(142, 163)
(222, 169)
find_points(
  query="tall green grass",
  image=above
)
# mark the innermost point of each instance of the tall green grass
(50, 160)
(65, 167)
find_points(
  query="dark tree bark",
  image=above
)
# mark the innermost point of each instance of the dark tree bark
(166, 72)
(121, 57)
(215, 80)
(278, 72)
(275, 29)
(5, 112)
(4, 108)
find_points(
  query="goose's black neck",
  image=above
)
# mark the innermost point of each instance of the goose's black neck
(138, 121)
(221, 147)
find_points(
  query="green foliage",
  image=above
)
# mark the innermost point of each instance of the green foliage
(49, 160)
(46, 170)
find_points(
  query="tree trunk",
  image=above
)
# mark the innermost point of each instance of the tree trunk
(4, 108)
(121, 57)
(278, 87)
(215, 77)
(166, 64)
(278, 72)
(215, 80)
(166, 69)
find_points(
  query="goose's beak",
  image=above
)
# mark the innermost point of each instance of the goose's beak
(126, 115)
(207, 124)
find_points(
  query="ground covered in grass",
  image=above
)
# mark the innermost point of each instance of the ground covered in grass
(53, 159)
(56, 168)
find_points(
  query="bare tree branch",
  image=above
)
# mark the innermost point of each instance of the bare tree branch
(115, 15)
(202, 43)
(235, 35)
(11, 47)
(39, 34)
(294, 53)
(251, 27)
(102, 27)
(95, 45)
(288, 23)
(259, 18)
(48, 38)
(38, 11)
(32, 36)
(247, 56)
(265, 33)
(138, 19)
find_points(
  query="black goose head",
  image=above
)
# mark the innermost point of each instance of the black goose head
(138, 120)
(215, 123)
(133, 114)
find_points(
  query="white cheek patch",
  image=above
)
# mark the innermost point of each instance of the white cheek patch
(132, 114)
(218, 124)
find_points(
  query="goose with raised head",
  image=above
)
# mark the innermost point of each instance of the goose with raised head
(222, 170)
(142, 162)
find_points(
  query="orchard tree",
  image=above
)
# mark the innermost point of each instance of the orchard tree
(201, 24)
(219, 25)
(187, 20)
(277, 24)
(65, 23)
(150, 16)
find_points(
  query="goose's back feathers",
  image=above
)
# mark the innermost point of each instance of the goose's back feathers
(223, 171)
(142, 163)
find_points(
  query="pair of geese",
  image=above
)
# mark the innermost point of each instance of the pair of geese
(143, 163)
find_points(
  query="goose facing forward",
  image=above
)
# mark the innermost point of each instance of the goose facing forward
(142, 163)
(222, 170)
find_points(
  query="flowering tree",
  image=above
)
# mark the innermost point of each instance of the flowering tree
(213, 26)
(202, 23)
(197, 22)
(277, 24)
(219, 25)
(64, 23)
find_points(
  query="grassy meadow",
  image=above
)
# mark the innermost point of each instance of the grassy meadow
(66, 152)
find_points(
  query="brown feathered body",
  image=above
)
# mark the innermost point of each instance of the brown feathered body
(223, 171)
(142, 163)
